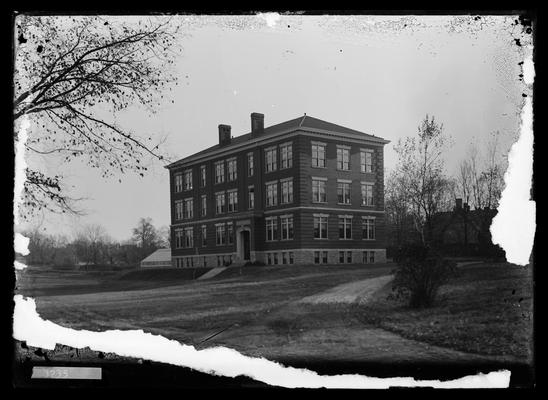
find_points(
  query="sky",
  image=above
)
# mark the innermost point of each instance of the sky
(379, 75)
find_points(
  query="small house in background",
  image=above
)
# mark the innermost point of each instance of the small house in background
(465, 232)
(160, 258)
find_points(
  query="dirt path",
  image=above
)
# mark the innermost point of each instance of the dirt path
(349, 292)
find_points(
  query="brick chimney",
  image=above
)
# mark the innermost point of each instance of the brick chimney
(257, 124)
(224, 135)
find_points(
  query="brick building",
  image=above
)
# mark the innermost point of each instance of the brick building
(303, 191)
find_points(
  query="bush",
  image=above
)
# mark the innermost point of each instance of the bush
(420, 274)
(254, 264)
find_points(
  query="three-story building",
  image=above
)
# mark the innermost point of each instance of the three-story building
(303, 191)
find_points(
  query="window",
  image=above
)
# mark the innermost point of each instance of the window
(287, 191)
(368, 257)
(284, 258)
(271, 160)
(287, 228)
(220, 234)
(343, 192)
(368, 227)
(179, 239)
(232, 169)
(178, 182)
(271, 229)
(349, 257)
(203, 175)
(341, 257)
(320, 227)
(269, 258)
(367, 194)
(230, 233)
(205, 261)
(189, 237)
(219, 261)
(250, 166)
(366, 161)
(343, 158)
(219, 172)
(345, 228)
(319, 194)
(320, 257)
(189, 205)
(204, 237)
(204, 205)
(286, 154)
(220, 202)
(275, 257)
(251, 197)
(271, 194)
(291, 257)
(179, 209)
(188, 179)
(232, 201)
(318, 155)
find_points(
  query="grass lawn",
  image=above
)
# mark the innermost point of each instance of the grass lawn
(256, 310)
(488, 309)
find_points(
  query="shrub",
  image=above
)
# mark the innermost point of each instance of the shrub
(254, 264)
(420, 274)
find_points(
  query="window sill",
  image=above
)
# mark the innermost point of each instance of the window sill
(369, 240)
(344, 204)
(319, 202)
(318, 167)
(344, 170)
(321, 238)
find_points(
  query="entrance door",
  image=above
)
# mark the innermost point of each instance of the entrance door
(245, 237)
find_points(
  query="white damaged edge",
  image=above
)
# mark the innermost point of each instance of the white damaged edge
(19, 265)
(20, 167)
(271, 18)
(513, 228)
(21, 244)
(28, 326)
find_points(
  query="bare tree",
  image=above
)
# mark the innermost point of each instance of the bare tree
(146, 236)
(398, 215)
(72, 76)
(164, 237)
(480, 176)
(421, 175)
(91, 242)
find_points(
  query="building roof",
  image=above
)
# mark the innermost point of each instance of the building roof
(160, 255)
(303, 122)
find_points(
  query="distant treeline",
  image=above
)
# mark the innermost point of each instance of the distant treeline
(91, 247)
